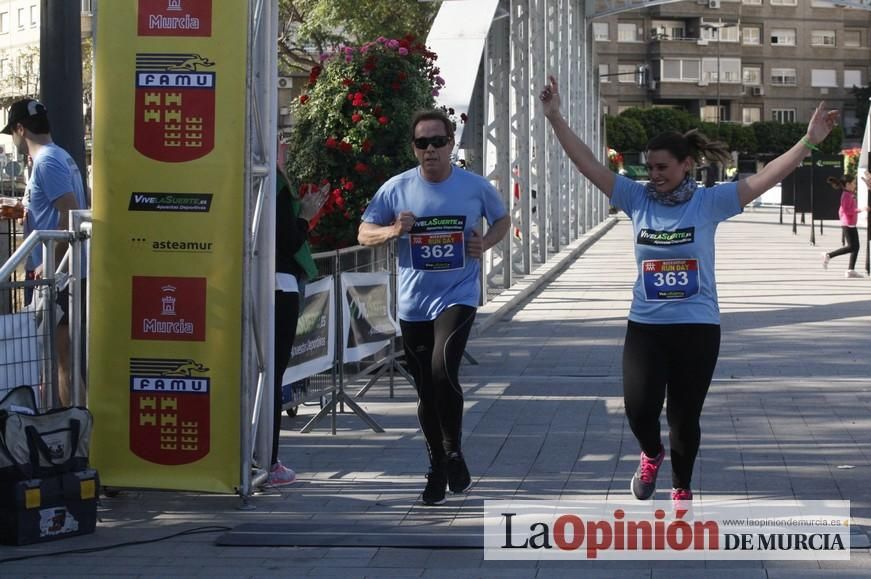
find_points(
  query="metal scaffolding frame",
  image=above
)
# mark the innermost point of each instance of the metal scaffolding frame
(527, 41)
(259, 257)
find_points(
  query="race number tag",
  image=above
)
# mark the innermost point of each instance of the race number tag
(437, 243)
(670, 279)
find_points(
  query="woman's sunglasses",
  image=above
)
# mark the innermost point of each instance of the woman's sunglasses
(438, 142)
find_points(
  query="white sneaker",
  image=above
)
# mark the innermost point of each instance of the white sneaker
(826, 259)
(852, 273)
(280, 475)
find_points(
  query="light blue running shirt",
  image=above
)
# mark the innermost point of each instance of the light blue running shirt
(54, 174)
(674, 251)
(434, 271)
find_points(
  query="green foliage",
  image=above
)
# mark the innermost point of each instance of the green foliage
(659, 120)
(325, 24)
(832, 144)
(862, 95)
(353, 131)
(775, 138)
(625, 133)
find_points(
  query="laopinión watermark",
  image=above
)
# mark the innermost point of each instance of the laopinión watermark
(608, 530)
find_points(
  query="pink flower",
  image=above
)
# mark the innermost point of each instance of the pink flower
(394, 44)
(439, 80)
(356, 117)
(383, 120)
(435, 92)
(403, 51)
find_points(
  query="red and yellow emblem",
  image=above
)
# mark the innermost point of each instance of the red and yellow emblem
(169, 410)
(175, 107)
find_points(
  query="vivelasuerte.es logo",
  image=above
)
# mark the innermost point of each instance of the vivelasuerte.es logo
(170, 202)
(171, 245)
(676, 237)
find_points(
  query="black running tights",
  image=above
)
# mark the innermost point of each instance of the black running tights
(673, 362)
(433, 351)
(286, 316)
(851, 235)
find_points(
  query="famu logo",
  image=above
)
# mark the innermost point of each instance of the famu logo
(676, 237)
(171, 202)
(169, 410)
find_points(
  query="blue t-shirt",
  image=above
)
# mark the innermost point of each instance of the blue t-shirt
(674, 250)
(434, 270)
(54, 173)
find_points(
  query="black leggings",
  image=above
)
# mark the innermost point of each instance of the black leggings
(433, 351)
(674, 362)
(286, 316)
(851, 235)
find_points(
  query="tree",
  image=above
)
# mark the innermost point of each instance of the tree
(352, 129)
(23, 79)
(625, 134)
(862, 95)
(309, 28)
(659, 120)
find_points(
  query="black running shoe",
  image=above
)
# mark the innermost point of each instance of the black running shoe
(434, 493)
(644, 480)
(459, 480)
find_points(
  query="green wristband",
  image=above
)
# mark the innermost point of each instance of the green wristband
(807, 143)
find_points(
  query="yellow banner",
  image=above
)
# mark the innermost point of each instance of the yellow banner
(168, 239)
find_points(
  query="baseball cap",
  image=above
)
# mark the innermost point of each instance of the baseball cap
(21, 110)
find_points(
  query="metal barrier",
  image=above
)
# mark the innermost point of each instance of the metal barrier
(28, 334)
(332, 384)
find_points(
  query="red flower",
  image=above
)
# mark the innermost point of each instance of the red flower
(377, 110)
(404, 43)
(303, 99)
(383, 120)
(395, 85)
(402, 75)
(365, 87)
(361, 167)
(356, 117)
(347, 186)
(345, 146)
(366, 146)
(331, 143)
(369, 65)
(347, 81)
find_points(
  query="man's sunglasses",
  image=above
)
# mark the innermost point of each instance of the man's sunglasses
(438, 142)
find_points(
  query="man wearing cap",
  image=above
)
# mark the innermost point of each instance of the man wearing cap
(54, 188)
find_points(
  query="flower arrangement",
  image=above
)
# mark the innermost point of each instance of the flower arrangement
(851, 160)
(352, 128)
(615, 160)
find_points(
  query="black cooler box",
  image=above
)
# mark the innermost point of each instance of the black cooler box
(48, 508)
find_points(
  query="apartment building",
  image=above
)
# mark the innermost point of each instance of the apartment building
(736, 60)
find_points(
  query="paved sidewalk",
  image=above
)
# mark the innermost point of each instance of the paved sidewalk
(790, 404)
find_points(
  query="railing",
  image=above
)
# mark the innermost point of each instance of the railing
(28, 353)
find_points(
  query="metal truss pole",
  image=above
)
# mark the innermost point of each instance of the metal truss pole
(568, 70)
(577, 76)
(521, 89)
(259, 257)
(538, 60)
(553, 150)
(587, 129)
